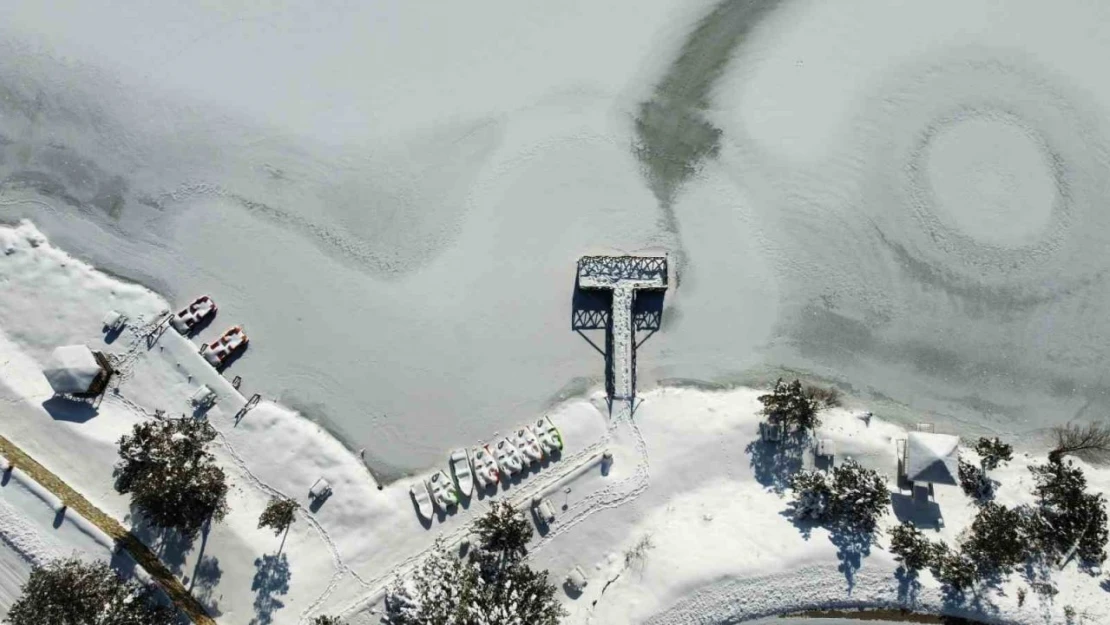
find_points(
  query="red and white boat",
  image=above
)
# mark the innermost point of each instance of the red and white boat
(188, 318)
(508, 457)
(528, 444)
(485, 467)
(218, 352)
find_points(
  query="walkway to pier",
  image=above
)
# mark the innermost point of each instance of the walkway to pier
(625, 277)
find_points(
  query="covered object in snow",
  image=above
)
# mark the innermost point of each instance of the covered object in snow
(77, 370)
(931, 458)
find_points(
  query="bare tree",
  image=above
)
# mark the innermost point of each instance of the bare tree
(1090, 442)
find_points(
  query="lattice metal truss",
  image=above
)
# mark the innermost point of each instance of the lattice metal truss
(624, 268)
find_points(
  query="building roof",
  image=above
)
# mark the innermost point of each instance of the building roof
(71, 369)
(932, 458)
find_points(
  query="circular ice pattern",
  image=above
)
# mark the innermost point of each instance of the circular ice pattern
(991, 179)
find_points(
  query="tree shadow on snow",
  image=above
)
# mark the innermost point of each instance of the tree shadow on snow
(206, 576)
(851, 547)
(271, 580)
(169, 545)
(908, 587)
(774, 462)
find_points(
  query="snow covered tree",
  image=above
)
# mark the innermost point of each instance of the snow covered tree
(327, 620)
(484, 589)
(73, 592)
(789, 405)
(996, 541)
(993, 452)
(910, 546)
(279, 514)
(1074, 521)
(504, 530)
(171, 476)
(860, 496)
(974, 482)
(852, 497)
(441, 591)
(954, 569)
(812, 495)
(517, 596)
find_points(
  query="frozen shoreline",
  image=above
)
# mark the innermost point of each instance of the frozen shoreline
(685, 471)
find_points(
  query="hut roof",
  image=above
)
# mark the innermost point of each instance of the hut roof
(932, 458)
(72, 369)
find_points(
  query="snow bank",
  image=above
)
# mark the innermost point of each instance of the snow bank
(35, 528)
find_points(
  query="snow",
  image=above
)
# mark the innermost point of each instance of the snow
(34, 531)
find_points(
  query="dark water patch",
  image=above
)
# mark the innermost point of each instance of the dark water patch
(673, 133)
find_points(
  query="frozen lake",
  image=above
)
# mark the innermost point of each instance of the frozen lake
(391, 200)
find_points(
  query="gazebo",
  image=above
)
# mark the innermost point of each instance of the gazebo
(929, 458)
(77, 370)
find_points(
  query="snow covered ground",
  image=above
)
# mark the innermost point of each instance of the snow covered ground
(32, 531)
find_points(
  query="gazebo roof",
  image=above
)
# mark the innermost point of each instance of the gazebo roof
(71, 369)
(932, 458)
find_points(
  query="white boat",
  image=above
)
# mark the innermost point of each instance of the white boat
(460, 468)
(443, 490)
(508, 457)
(549, 435)
(423, 500)
(201, 308)
(485, 467)
(528, 445)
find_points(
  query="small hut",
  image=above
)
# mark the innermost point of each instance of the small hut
(929, 458)
(78, 371)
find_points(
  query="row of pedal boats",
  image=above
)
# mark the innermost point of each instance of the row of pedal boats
(485, 465)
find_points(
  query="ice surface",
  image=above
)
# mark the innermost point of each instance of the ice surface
(903, 197)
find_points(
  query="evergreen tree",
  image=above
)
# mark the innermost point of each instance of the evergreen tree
(993, 453)
(954, 569)
(790, 406)
(504, 530)
(996, 541)
(279, 514)
(1074, 521)
(860, 496)
(484, 589)
(73, 592)
(327, 620)
(812, 495)
(974, 482)
(910, 546)
(170, 474)
(851, 497)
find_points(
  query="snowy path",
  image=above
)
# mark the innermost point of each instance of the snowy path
(113, 530)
